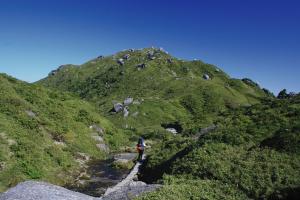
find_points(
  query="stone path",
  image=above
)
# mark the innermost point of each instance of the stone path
(128, 188)
(127, 180)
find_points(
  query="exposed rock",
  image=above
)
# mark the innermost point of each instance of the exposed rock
(169, 60)
(250, 82)
(206, 77)
(141, 66)
(121, 61)
(103, 147)
(82, 156)
(126, 56)
(126, 112)
(136, 102)
(59, 143)
(118, 107)
(34, 190)
(150, 55)
(97, 128)
(30, 113)
(52, 73)
(171, 130)
(130, 191)
(128, 101)
(174, 127)
(97, 138)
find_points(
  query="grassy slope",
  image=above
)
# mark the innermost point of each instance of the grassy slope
(27, 144)
(168, 92)
(253, 154)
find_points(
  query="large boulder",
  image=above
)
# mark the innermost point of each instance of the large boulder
(128, 101)
(171, 130)
(126, 56)
(131, 190)
(34, 190)
(118, 107)
(121, 61)
(102, 147)
(206, 77)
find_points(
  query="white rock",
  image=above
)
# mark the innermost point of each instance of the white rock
(206, 77)
(128, 101)
(171, 130)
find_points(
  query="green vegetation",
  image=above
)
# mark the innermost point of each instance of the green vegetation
(42, 131)
(254, 153)
(166, 90)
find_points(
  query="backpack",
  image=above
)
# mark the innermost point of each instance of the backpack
(139, 147)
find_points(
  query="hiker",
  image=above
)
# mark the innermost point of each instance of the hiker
(140, 148)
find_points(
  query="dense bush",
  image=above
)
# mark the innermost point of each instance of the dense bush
(254, 151)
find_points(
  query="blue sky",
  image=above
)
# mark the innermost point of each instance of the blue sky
(255, 39)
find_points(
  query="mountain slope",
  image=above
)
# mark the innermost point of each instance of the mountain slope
(43, 133)
(165, 90)
(253, 154)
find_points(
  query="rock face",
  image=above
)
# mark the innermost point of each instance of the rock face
(128, 188)
(121, 61)
(128, 101)
(97, 128)
(118, 107)
(32, 190)
(130, 191)
(126, 57)
(206, 77)
(172, 130)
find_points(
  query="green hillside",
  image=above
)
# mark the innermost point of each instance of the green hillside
(165, 90)
(210, 136)
(44, 132)
(253, 154)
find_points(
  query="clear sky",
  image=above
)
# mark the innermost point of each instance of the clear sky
(258, 39)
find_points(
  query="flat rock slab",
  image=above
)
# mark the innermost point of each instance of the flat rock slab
(130, 191)
(33, 190)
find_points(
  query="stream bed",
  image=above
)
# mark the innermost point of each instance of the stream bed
(101, 175)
